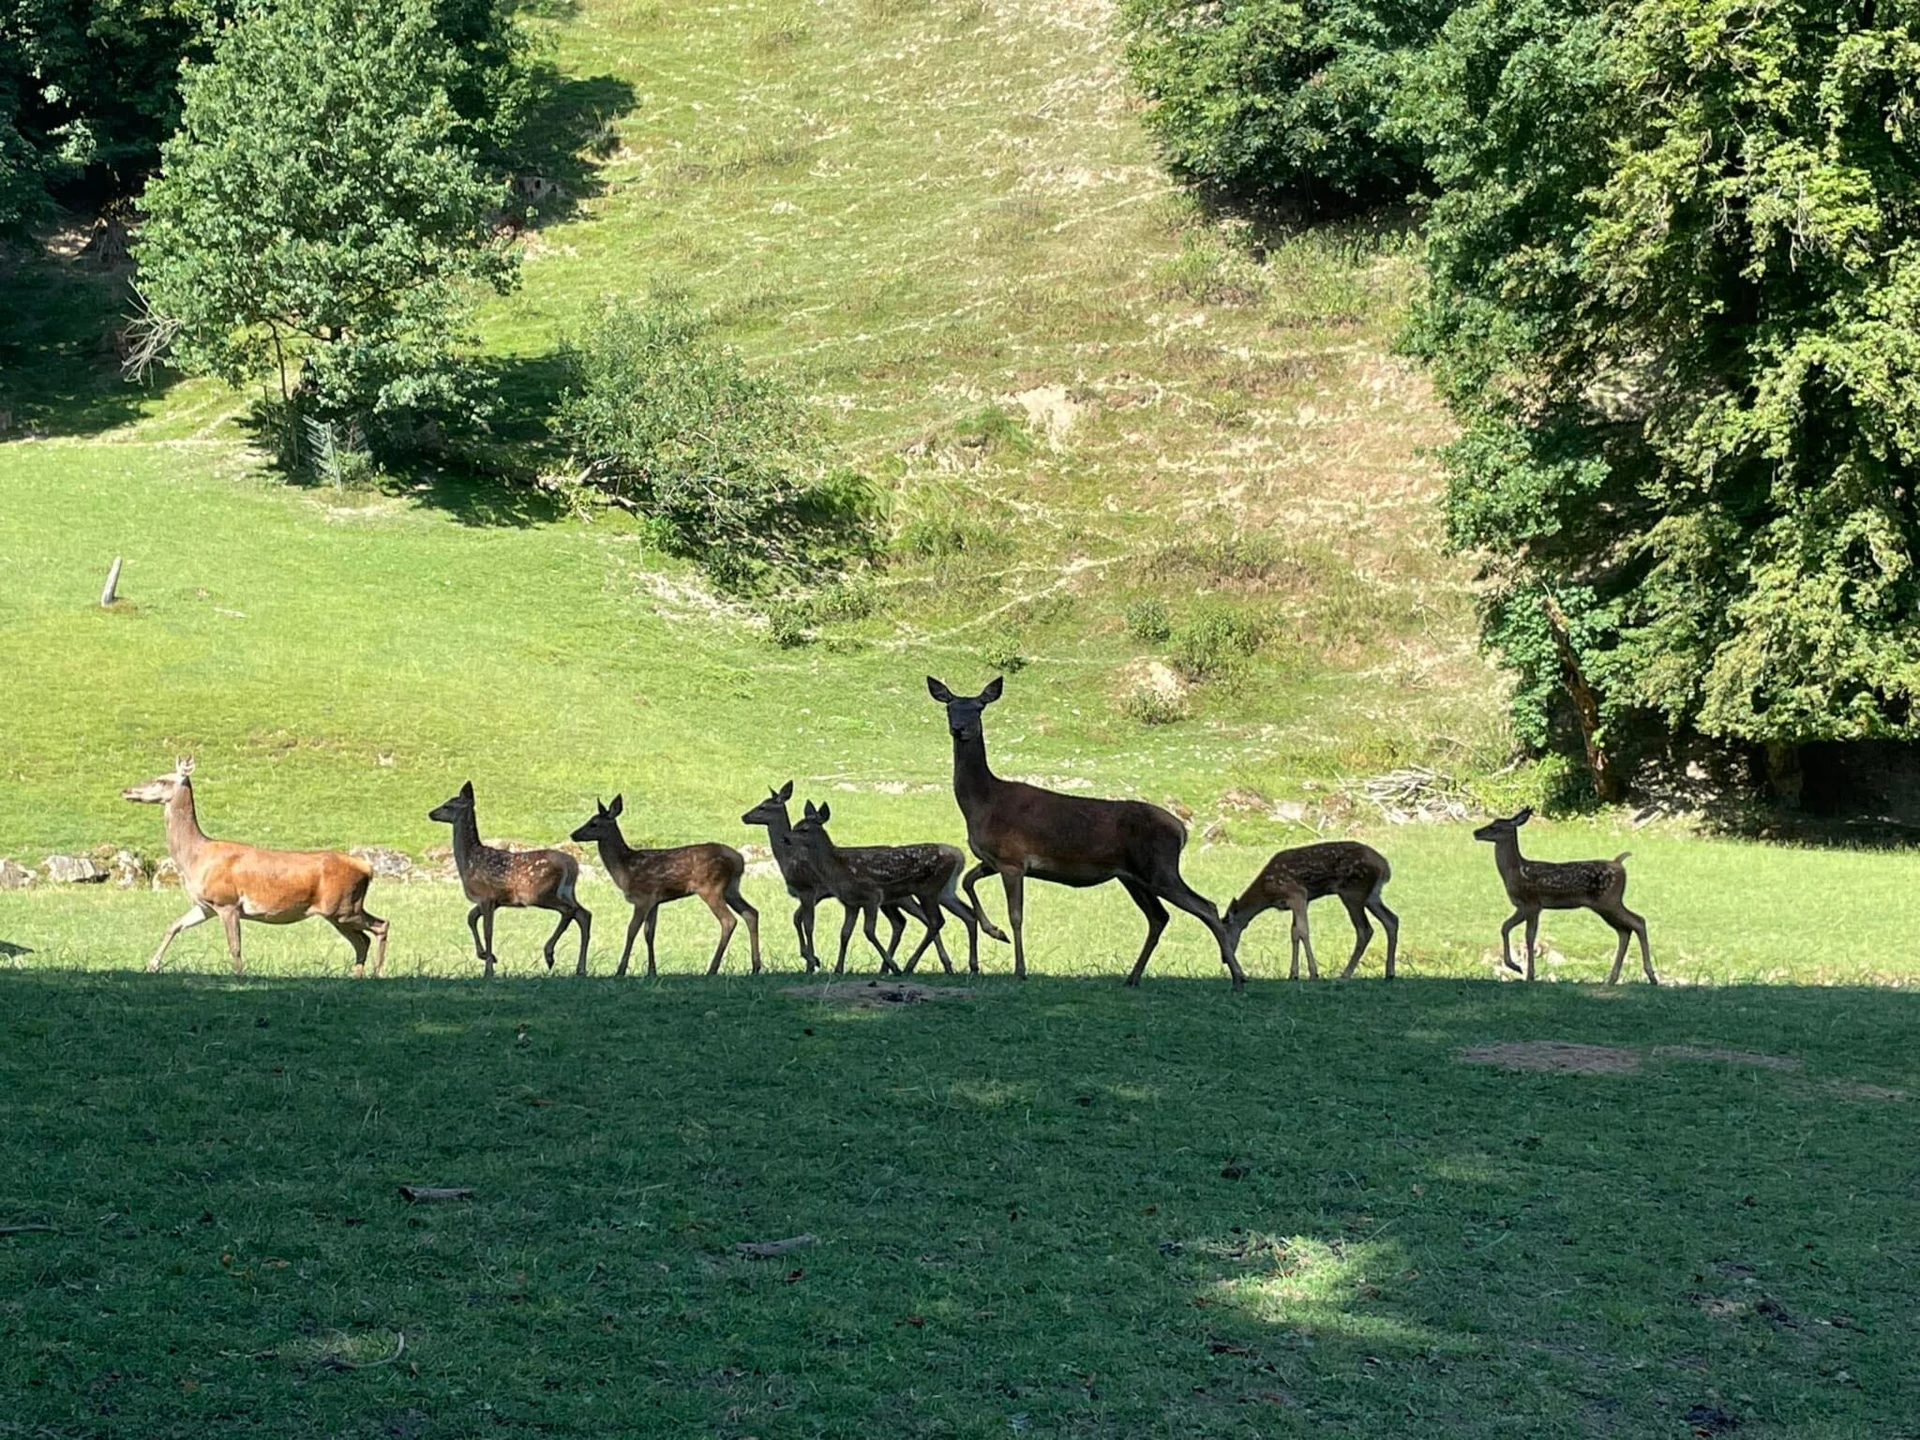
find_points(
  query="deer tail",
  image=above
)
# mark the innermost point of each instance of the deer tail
(1621, 856)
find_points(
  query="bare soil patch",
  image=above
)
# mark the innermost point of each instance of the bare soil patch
(876, 994)
(1555, 1057)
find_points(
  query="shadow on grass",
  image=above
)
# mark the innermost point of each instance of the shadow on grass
(570, 129)
(1062, 1208)
(60, 318)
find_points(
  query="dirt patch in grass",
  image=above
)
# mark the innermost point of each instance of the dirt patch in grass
(876, 994)
(1728, 1057)
(1555, 1057)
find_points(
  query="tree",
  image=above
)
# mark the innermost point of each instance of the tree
(322, 213)
(1675, 303)
(1281, 99)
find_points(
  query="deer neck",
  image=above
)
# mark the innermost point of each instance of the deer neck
(616, 854)
(780, 841)
(466, 841)
(184, 835)
(1506, 854)
(973, 782)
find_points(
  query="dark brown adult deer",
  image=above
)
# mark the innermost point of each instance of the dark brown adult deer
(1022, 831)
(1294, 878)
(243, 882)
(885, 876)
(1536, 885)
(518, 879)
(652, 878)
(808, 887)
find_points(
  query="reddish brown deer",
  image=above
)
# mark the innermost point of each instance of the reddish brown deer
(924, 877)
(806, 885)
(1294, 878)
(1536, 885)
(518, 879)
(1022, 831)
(652, 878)
(243, 882)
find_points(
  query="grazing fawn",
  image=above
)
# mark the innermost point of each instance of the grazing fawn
(652, 878)
(541, 879)
(1294, 878)
(922, 877)
(1022, 831)
(1536, 885)
(243, 882)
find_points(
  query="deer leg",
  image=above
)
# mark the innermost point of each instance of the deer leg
(351, 932)
(1302, 940)
(1389, 922)
(1362, 933)
(653, 925)
(486, 921)
(846, 934)
(566, 919)
(1506, 945)
(199, 915)
(230, 918)
(1184, 897)
(1646, 956)
(968, 882)
(973, 923)
(1156, 914)
(717, 903)
(640, 913)
(871, 913)
(1533, 932)
(377, 928)
(746, 912)
(802, 921)
(583, 919)
(898, 921)
(1014, 882)
(933, 920)
(473, 924)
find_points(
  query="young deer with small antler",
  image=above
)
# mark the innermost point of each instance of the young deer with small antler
(652, 878)
(1293, 878)
(243, 882)
(491, 877)
(1536, 885)
(874, 877)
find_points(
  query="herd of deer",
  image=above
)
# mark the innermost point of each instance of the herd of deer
(1017, 831)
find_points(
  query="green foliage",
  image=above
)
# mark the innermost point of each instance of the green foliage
(1148, 620)
(1216, 642)
(728, 463)
(320, 212)
(1151, 705)
(1282, 99)
(1675, 303)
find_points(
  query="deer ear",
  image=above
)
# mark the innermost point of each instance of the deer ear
(809, 810)
(466, 789)
(619, 804)
(183, 767)
(784, 793)
(939, 691)
(992, 692)
(1526, 814)
(824, 813)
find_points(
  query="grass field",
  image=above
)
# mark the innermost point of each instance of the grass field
(1058, 1209)
(1053, 1209)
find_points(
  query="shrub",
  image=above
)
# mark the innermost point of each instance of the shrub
(727, 463)
(1154, 707)
(1278, 99)
(1217, 643)
(1147, 620)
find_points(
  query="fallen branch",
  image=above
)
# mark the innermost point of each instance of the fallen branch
(428, 1194)
(767, 1249)
(29, 1230)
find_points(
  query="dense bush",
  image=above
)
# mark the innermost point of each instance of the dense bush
(728, 463)
(1676, 304)
(1281, 99)
(323, 215)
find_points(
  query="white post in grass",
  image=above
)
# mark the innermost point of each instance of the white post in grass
(107, 595)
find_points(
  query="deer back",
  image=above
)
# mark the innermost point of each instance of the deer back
(262, 882)
(1073, 837)
(518, 877)
(676, 871)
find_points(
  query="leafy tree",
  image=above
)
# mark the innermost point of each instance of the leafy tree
(728, 464)
(1676, 305)
(1281, 99)
(322, 213)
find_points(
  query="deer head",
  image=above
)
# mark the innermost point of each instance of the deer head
(1496, 830)
(448, 812)
(814, 821)
(162, 788)
(605, 824)
(771, 810)
(963, 711)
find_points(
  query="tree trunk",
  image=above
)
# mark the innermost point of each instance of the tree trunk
(1586, 706)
